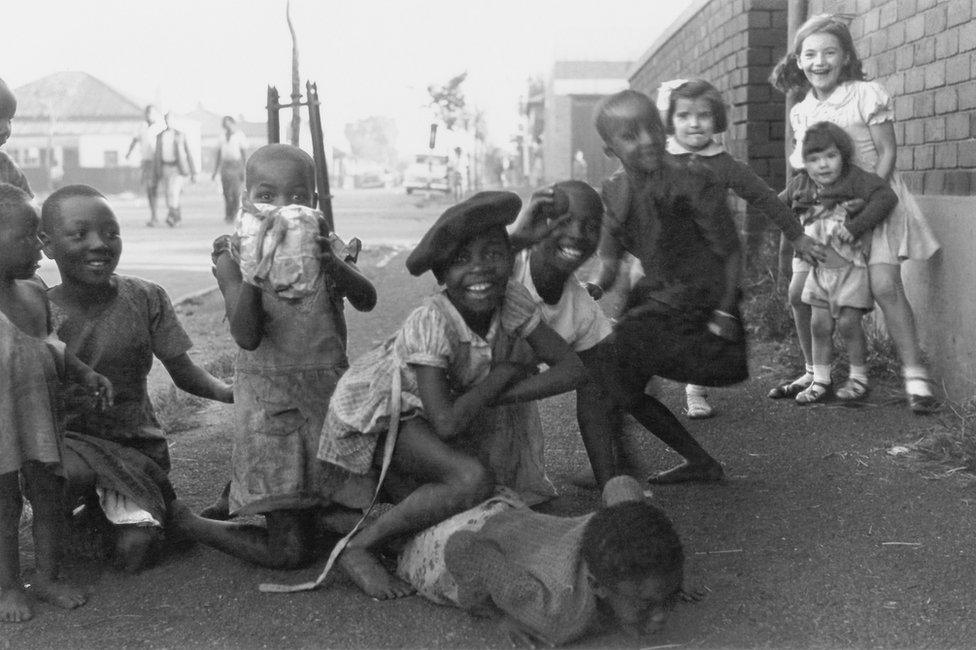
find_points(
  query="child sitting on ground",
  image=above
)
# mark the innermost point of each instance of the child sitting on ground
(549, 577)
(823, 194)
(292, 334)
(116, 324)
(30, 428)
(423, 389)
(565, 221)
(9, 172)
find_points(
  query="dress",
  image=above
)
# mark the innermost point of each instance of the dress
(11, 173)
(281, 395)
(677, 223)
(855, 106)
(29, 391)
(436, 335)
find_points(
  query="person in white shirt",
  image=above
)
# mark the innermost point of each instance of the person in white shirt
(145, 139)
(231, 154)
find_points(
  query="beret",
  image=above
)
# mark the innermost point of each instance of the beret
(459, 223)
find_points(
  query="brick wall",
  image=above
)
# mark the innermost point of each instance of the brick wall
(924, 53)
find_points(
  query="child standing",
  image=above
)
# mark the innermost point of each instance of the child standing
(293, 351)
(116, 324)
(563, 223)
(693, 112)
(823, 69)
(424, 388)
(9, 172)
(30, 430)
(837, 289)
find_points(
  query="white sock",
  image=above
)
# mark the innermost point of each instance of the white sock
(916, 380)
(806, 378)
(821, 374)
(859, 373)
(694, 389)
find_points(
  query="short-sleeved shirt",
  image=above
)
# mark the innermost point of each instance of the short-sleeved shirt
(576, 317)
(147, 140)
(120, 343)
(230, 148)
(11, 173)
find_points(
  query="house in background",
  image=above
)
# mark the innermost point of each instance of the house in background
(212, 132)
(80, 123)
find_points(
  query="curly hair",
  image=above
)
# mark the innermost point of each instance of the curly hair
(788, 78)
(695, 89)
(630, 540)
(610, 108)
(51, 209)
(582, 194)
(824, 135)
(12, 199)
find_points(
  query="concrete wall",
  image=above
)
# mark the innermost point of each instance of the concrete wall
(557, 138)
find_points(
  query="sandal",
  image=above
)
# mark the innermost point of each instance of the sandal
(698, 408)
(789, 390)
(922, 404)
(815, 392)
(853, 389)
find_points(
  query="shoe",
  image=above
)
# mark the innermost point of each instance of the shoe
(170, 221)
(923, 404)
(789, 389)
(699, 408)
(152, 223)
(853, 389)
(814, 393)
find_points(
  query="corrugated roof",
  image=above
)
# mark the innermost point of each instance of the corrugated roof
(74, 96)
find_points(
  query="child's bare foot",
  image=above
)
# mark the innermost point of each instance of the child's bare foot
(58, 593)
(370, 576)
(15, 606)
(688, 472)
(219, 509)
(133, 545)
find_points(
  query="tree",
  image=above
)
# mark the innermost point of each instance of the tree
(449, 101)
(374, 139)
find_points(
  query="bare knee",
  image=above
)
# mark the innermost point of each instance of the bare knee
(821, 324)
(472, 483)
(849, 323)
(795, 292)
(886, 283)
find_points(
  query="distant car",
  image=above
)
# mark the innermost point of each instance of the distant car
(427, 172)
(368, 180)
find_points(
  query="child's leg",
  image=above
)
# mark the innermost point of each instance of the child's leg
(14, 604)
(801, 319)
(821, 332)
(45, 491)
(219, 509)
(599, 417)
(697, 404)
(849, 326)
(454, 482)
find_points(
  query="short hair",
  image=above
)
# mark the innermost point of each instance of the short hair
(610, 107)
(51, 209)
(630, 540)
(11, 198)
(824, 135)
(582, 194)
(228, 118)
(271, 153)
(8, 103)
(695, 89)
(787, 76)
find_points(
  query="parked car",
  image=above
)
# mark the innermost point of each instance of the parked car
(427, 172)
(368, 180)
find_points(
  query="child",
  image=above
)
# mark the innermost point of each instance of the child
(548, 576)
(823, 69)
(9, 172)
(116, 324)
(30, 432)
(463, 350)
(693, 112)
(681, 318)
(293, 351)
(565, 221)
(837, 288)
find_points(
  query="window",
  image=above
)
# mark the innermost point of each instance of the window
(31, 157)
(111, 159)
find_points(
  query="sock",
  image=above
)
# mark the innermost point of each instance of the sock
(821, 373)
(806, 378)
(694, 389)
(916, 380)
(859, 373)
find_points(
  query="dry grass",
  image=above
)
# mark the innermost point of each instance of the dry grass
(175, 409)
(949, 447)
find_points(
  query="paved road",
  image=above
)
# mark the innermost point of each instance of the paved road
(179, 258)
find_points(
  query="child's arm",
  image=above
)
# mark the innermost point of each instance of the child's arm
(213, 176)
(242, 301)
(99, 386)
(883, 136)
(609, 251)
(878, 201)
(566, 372)
(193, 379)
(348, 280)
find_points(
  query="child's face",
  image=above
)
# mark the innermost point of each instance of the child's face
(824, 167)
(641, 606)
(636, 139)
(694, 123)
(476, 279)
(283, 181)
(822, 59)
(85, 244)
(20, 247)
(574, 239)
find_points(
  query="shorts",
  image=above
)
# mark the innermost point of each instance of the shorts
(834, 288)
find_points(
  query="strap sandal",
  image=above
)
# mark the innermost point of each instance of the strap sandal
(853, 389)
(699, 408)
(922, 404)
(786, 390)
(815, 392)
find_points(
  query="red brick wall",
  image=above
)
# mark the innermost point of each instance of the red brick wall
(924, 53)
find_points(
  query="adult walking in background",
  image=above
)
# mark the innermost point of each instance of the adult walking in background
(173, 164)
(145, 139)
(231, 154)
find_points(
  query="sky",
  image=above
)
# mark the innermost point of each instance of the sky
(369, 57)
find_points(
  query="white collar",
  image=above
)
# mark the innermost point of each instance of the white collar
(676, 149)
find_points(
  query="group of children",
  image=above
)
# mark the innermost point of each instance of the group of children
(442, 415)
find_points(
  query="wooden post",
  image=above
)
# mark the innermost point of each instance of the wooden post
(274, 129)
(318, 150)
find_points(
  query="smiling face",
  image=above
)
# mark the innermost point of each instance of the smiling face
(280, 181)
(20, 247)
(476, 279)
(85, 241)
(636, 137)
(693, 122)
(822, 59)
(575, 237)
(824, 167)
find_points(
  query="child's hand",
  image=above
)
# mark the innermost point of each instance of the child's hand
(725, 325)
(546, 209)
(327, 256)
(99, 390)
(853, 206)
(809, 249)
(844, 235)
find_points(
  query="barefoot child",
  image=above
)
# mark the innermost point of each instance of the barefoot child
(463, 350)
(565, 241)
(116, 324)
(549, 577)
(837, 289)
(9, 172)
(292, 335)
(30, 431)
